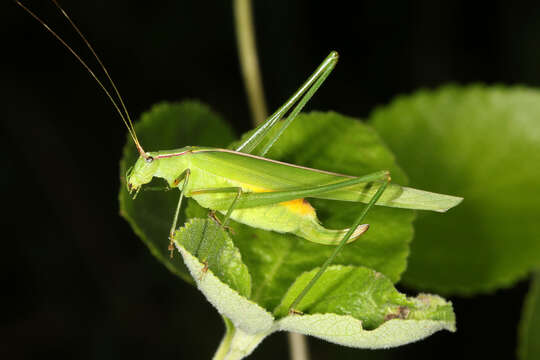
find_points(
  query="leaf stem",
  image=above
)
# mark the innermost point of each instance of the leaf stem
(225, 344)
(247, 52)
(298, 346)
(237, 344)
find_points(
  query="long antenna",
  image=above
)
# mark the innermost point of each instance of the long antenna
(125, 117)
(100, 63)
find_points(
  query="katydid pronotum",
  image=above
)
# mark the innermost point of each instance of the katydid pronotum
(245, 186)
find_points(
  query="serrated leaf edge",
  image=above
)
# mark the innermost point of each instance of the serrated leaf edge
(348, 331)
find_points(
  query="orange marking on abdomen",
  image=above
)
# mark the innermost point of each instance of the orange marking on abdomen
(299, 206)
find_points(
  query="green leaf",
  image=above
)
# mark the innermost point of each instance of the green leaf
(353, 306)
(482, 143)
(529, 334)
(363, 294)
(347, 290)
(166, 126)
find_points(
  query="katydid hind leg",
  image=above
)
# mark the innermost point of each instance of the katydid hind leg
(300, 97)
(184, 176)
(328, 262)
(324, 70)
(253, 199)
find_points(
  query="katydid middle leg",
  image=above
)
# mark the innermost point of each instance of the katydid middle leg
(237, 190)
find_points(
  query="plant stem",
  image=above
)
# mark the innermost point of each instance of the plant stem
(247, 52)
(249, 62)
(298, 346)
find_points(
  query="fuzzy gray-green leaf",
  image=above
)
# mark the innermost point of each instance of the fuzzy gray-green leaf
(211, 244)
(352, 306)
(215, 278)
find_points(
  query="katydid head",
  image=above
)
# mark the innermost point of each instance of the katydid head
(142, 172)
(158, 164)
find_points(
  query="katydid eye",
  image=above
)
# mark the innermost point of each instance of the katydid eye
(149, 159)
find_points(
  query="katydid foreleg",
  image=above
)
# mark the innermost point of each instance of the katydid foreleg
(184, 176)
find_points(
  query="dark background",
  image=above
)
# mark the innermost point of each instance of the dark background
(76, 282)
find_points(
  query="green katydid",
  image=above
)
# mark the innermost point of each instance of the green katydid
(269, 194)
(247, 187)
